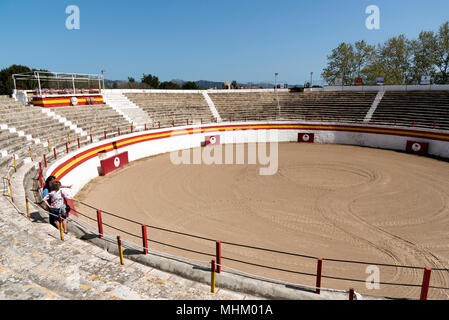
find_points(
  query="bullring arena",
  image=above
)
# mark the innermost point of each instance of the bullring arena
(360, 187)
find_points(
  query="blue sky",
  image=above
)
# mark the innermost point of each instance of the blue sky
(242, 40)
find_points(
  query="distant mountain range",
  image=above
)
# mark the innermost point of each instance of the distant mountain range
(206, 84)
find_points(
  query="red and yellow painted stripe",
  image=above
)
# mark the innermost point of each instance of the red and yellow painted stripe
(78, 159)
(48, 102)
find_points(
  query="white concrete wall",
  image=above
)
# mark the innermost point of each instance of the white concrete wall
(87, 171)
(435, 87)
(105, 91)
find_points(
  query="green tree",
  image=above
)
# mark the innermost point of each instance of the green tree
(363, 56)
(398, 60)
(442, 54)
(340, 64)
(190, 85)
(234, 85)
(168, 85)
(151, 80)
(131, 82)
(6, 82)
(394, 59)
(424, 58)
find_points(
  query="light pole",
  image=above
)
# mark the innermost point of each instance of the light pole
(102, 76)
(311, 79)
(277, 98)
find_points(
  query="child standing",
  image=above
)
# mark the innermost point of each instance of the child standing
(57, 205)
(46, 190)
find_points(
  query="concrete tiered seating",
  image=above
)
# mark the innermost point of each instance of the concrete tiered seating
(95, 118)
(326, 106)
(241, 106)
(11, 144)
(177, 107)
(426, 109)
(33, 123)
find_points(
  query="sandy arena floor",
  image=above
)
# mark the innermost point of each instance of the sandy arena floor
(330, 201)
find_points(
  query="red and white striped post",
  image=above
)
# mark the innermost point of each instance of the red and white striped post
(319, 269)
(218, 255)
(145, 127)
(54, 153)
(45, 160)
(105, 134)
(91, 138)
(144, 239)
(66, 148)
(173, 122)
(159, 124)
(425, 284)
(118, 130)
(100, 224)
(79, 144)
(132, 128)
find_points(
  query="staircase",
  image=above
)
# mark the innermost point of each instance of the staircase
(126, 108)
